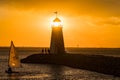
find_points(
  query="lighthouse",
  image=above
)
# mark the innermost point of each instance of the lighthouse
(57, 40)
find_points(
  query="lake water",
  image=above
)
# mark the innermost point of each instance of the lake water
(48, 72)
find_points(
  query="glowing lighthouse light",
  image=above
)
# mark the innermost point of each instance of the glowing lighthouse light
(56, 22)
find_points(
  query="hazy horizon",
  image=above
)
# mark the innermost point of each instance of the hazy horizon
(49, 47)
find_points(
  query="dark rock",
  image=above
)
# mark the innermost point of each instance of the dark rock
(103, 64)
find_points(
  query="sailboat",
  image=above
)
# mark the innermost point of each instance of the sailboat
(13, 61)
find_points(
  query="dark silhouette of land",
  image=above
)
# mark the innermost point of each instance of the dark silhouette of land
(99, 63)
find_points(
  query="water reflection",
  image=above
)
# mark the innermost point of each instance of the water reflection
(57, 71)
(49, 72)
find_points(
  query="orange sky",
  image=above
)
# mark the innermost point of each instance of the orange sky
(87, 23)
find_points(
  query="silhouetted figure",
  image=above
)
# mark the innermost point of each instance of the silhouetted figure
(45, 51)
(48, 51)
(42, 51)
(9, 70)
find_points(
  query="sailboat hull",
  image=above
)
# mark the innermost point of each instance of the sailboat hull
(10, 72)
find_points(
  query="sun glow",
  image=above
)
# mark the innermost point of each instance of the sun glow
(56, 24)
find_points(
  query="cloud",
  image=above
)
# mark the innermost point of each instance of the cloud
(98, 21)
(113, 21)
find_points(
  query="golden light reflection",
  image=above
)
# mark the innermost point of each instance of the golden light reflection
(13, 64)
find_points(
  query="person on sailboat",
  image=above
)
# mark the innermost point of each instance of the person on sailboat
(9, 70)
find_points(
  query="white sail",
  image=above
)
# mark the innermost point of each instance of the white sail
(14, 60)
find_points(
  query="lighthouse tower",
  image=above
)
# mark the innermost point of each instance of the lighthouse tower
(57, 41)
